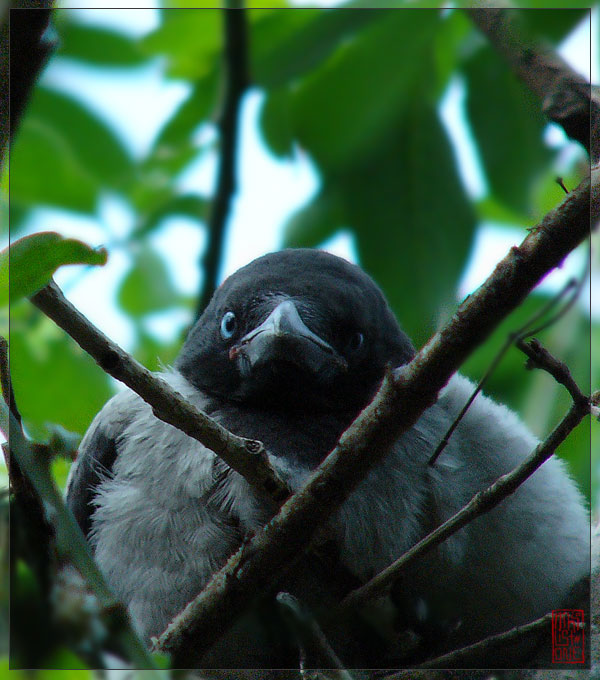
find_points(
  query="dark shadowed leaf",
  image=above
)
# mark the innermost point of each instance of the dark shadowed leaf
(508, 128)
(34, 259)
(550, 24)
(288, 44)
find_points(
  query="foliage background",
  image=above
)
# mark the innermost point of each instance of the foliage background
(357, 92)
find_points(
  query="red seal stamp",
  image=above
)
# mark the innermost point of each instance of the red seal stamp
(567, 636)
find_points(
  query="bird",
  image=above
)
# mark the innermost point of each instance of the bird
(289, 351)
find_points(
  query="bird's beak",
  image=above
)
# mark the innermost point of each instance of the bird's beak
(284, 337)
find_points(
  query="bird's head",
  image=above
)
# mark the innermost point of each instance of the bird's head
(298, 329)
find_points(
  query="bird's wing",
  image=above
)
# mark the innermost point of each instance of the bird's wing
(97, 454)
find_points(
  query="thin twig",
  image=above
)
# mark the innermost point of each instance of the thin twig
(567, 98)
(539, 357)
(481, 503)
(514, 337)
(235, 83)
(403, 396)
(248, 457)
(475, 655)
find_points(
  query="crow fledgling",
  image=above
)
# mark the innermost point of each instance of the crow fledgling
(288, 351)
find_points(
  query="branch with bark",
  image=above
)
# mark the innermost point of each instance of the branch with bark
(403, 396)
(567, 98)
(246, 456)
(405, 392)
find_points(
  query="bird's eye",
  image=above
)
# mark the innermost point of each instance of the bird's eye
(228, 325)
(355, 342)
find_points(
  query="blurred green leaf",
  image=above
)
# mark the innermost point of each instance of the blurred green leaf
(152, 353)
(508, 127)
(189, 205)
(316, 221)
(454, 37)
(148, 286)
(413, 222)
(276, 122)
(285, 45)
(96, 45)
(46, 170)
(552, 24)
(95, 145)
(194, 110)
(35, 258)
(191, 38)
(54, 380)
(353, 101)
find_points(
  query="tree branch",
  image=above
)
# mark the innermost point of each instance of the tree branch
(235, 83)
(567, 98)
(248, 457)
(476, 654)
(403, 396)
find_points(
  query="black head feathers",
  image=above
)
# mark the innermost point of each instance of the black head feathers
(299, 329)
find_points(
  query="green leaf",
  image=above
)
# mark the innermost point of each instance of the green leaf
(41, 152)
(96, 45)
(539, 21)
(317, 221)
(148, 286)
(276, 122)
(353, 101)
(508, 127)
(34, 259)
(189, 205)
(192, 39)
(54, 380)
(91, 141)
(285, 45)
(413, 222)
(194, 110)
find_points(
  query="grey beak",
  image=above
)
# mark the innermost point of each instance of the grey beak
(284, 337)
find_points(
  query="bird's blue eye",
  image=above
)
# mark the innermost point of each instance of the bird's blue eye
(228, 325)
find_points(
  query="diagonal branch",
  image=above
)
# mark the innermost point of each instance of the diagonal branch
(403, 396)
(477, 653)
(567, 98)
(235, 83)
(248, 457)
